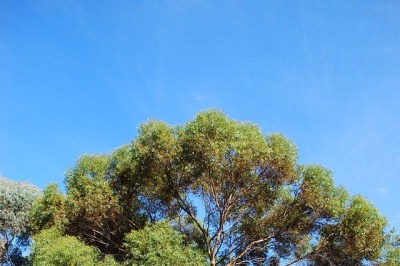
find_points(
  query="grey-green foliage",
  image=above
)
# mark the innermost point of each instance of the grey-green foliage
(391, 253)
(16, 200)
(160, 244)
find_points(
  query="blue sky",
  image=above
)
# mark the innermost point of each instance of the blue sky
(79, 77)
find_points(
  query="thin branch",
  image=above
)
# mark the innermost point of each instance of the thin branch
(247, 248)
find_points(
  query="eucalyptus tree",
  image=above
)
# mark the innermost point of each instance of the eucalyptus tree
(237, 195)
(256, 203)
(16, 200)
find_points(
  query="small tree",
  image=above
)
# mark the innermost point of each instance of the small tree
(16, 200)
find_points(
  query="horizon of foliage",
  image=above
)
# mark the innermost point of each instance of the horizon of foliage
(213, 191)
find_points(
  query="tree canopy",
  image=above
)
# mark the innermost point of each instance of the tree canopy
(15, 204)
(213, 191)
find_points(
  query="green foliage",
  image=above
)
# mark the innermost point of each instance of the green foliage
(319, 193)
(49, 210)
(107, 261)
(15, 203)
(51, 248)
(160, 244)
(258, 205)
(362, 229)
(357, 236)
(88, 169)
(92, 209)
(255, 195)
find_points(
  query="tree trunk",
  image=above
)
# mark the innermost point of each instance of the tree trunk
(212, 260)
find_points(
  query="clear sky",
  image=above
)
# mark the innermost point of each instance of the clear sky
(80, 76)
